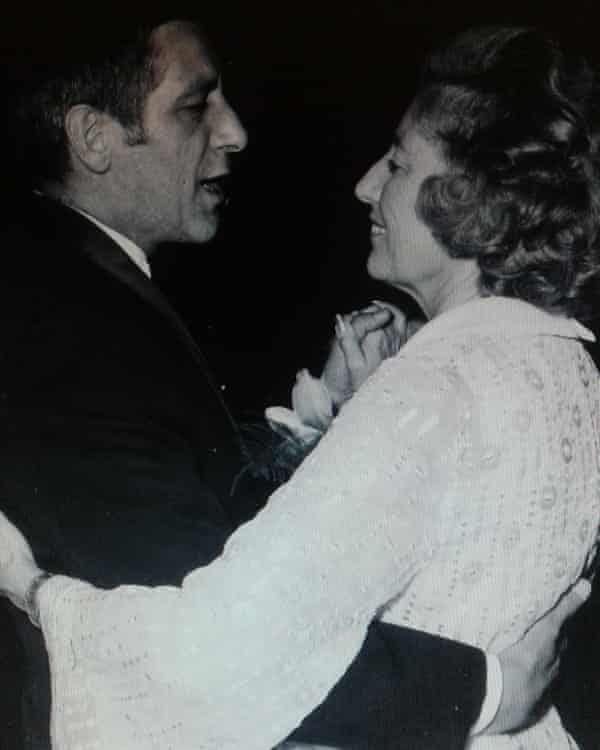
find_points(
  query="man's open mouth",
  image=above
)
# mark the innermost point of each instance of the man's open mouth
(217, 186)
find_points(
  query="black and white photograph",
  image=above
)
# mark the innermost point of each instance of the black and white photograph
(299, 389)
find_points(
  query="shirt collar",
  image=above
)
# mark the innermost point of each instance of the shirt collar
(134, 252)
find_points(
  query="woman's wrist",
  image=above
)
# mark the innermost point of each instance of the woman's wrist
(31, 597)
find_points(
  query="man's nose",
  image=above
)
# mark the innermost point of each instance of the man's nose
(230, 134)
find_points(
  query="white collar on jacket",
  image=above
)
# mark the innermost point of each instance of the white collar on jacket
(513, 318)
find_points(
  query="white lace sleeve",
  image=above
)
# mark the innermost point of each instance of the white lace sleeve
(252, 643)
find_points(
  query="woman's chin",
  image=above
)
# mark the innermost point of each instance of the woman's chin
(376, 269)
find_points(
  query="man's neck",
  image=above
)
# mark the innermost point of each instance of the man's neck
(129, 247)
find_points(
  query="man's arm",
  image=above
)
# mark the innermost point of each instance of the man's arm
(412, 689)
(405, 688)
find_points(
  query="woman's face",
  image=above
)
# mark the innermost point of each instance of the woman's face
(404, 253)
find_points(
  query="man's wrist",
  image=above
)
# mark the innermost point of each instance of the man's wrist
(493, 695)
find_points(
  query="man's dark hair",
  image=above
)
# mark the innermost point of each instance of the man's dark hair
(115, 78)
(518, 123)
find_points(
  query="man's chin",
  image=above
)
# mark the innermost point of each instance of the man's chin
(199, 232)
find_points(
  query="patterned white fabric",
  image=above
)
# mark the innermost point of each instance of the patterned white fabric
(458, 492)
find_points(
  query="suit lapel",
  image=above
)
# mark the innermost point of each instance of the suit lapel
(101, 249)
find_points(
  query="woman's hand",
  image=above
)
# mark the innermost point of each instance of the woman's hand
(363, 339)
(18, 569)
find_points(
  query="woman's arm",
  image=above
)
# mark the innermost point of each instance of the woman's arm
(150, 611)
(378, 710)
(255, 641)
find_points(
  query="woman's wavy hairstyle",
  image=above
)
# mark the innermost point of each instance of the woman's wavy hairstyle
(517, 122)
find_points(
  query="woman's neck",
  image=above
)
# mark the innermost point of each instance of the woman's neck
(462, 286)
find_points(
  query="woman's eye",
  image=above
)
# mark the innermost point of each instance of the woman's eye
(394, 166)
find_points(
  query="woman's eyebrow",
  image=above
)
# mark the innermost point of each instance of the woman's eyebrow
(398, 141)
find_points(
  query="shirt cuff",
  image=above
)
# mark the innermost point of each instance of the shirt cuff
(493, 695)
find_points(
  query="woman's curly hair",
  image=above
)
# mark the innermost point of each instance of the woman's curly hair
(518, 125)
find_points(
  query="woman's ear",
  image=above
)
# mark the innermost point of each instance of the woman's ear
(89, 137)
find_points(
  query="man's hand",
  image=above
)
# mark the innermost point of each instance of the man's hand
(18, 568)
(363, 339)
(531, 665)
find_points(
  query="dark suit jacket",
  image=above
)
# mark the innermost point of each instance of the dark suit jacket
(117, 450)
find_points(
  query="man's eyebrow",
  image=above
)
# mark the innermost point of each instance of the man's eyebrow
(199, 87)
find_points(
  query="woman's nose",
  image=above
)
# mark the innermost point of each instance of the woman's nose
(368, 188)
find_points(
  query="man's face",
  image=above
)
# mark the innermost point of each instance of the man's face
(171, 183)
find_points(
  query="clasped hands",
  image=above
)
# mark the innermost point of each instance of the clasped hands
(363, 339)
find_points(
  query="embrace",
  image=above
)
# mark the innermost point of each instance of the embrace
(454, 485)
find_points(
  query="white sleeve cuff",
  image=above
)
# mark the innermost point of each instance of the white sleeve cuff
(493, 694)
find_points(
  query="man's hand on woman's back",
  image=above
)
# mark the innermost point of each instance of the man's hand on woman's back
(530, 666)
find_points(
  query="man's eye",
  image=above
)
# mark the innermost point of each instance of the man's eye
(197, 110)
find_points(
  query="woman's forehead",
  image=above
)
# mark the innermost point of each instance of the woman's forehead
(407, 131)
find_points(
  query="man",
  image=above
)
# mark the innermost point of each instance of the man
(113, 428)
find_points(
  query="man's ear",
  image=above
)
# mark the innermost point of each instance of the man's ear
(89, 137)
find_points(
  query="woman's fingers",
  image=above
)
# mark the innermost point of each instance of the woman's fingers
(397, 314)
(349, 343)
(368, 320)
(364, 339)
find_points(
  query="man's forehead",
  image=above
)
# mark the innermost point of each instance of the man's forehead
(181, 48)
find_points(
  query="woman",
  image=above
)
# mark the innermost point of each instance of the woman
(457, 492)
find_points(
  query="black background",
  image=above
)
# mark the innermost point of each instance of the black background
(320, 87)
